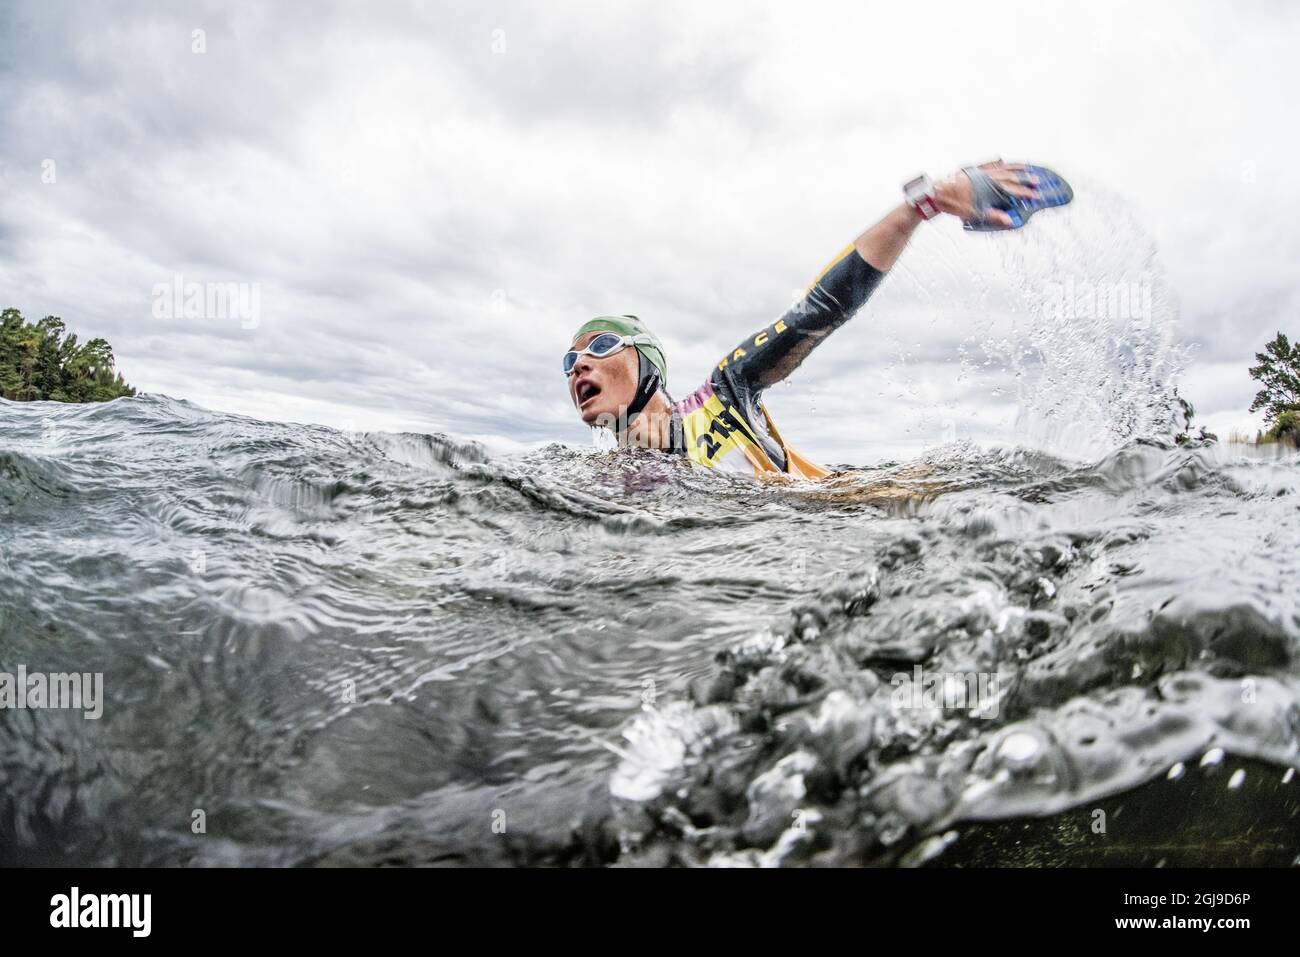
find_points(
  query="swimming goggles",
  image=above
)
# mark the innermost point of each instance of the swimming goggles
(605, 344)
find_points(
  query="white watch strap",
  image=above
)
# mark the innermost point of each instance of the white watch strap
(919, 193)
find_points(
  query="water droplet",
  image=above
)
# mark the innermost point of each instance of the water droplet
(1018, 748)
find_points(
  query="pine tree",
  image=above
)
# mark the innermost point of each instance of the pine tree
(42, 360)
(1279, 372)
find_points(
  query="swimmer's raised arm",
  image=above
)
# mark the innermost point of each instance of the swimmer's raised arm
(774, 352)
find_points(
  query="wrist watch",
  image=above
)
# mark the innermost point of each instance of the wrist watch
(919, 194)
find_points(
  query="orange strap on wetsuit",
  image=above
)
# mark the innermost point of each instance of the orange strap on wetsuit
(724, 420)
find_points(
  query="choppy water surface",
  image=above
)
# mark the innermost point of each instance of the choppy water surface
(347, 648)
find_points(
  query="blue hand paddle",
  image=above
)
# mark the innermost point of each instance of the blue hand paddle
(1052, 191)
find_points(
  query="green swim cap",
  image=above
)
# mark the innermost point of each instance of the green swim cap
(630, 326)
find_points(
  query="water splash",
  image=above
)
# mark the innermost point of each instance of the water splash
(1094, 355)
(1063, 334)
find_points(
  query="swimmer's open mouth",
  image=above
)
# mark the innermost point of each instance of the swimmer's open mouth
(586, 392)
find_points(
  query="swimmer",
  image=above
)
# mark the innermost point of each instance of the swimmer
(618, 373)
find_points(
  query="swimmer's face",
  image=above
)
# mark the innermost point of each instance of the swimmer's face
(603, 387)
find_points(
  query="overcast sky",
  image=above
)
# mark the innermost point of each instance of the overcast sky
(428, 198)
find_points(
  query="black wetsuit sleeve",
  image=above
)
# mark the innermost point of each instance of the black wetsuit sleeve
(774, 352)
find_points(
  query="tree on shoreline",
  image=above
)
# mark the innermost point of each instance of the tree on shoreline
(1279, 373)
(38, 361)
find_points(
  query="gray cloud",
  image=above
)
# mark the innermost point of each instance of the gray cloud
(431, 197)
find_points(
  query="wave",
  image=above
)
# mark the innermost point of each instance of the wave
(360, 647)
